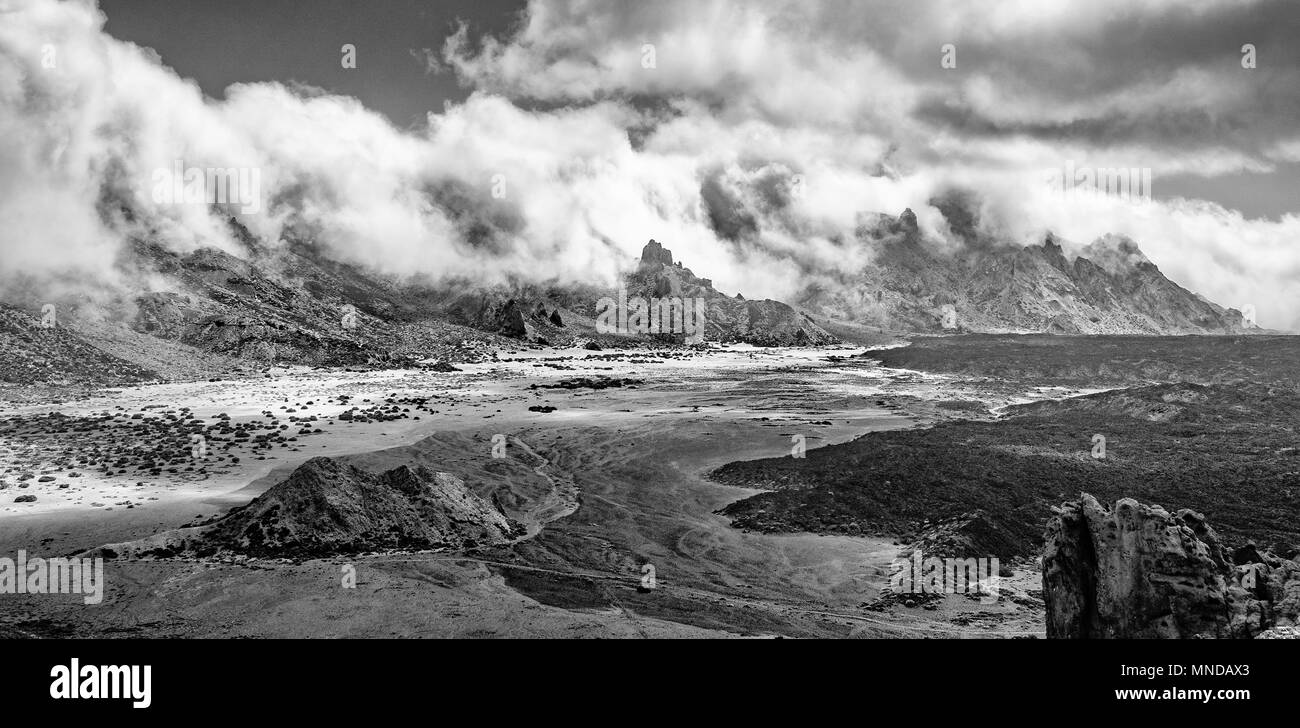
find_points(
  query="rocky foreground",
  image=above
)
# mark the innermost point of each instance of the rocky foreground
(1137, 571)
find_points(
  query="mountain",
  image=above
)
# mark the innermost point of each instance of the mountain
(292, 305)
(918, 285)
(211, 312)
(727, 319)
(329, 507)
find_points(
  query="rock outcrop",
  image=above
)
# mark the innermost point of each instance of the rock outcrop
(727, 319)
(1136, 571)
(654, 253)
(495, 311)
(329, 507)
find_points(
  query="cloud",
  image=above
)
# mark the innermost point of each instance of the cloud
(430, 59)
(852, 98)
(750, 137)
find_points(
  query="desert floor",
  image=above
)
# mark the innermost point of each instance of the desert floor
(611, 480)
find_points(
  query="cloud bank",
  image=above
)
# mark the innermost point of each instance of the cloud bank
(750, 137)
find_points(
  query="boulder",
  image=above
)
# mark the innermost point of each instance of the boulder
(1136, 571)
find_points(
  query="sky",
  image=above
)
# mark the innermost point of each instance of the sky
(231, 41)
(554, 137)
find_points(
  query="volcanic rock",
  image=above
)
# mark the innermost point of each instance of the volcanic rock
(329, 507)
(1135, 571)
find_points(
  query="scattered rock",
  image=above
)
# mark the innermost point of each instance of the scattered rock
(598, 382)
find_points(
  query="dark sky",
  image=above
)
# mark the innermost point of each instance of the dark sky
(225, 41)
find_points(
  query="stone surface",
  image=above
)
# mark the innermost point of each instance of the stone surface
(1136, 571)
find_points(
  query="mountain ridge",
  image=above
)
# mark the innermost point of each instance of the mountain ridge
(211, 312)
(1110, 287)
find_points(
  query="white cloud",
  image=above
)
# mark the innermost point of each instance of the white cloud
(743, 97)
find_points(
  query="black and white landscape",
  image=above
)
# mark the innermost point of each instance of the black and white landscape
(552, 318)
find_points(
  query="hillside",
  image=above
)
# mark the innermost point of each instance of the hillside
(212, 313)
(989, 285)
(34, 351)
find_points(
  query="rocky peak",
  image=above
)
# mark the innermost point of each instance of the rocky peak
(1118, 255)
(655, 254)
(727, 319)
(1053, 254)
(1052, 243)
(907, 221)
